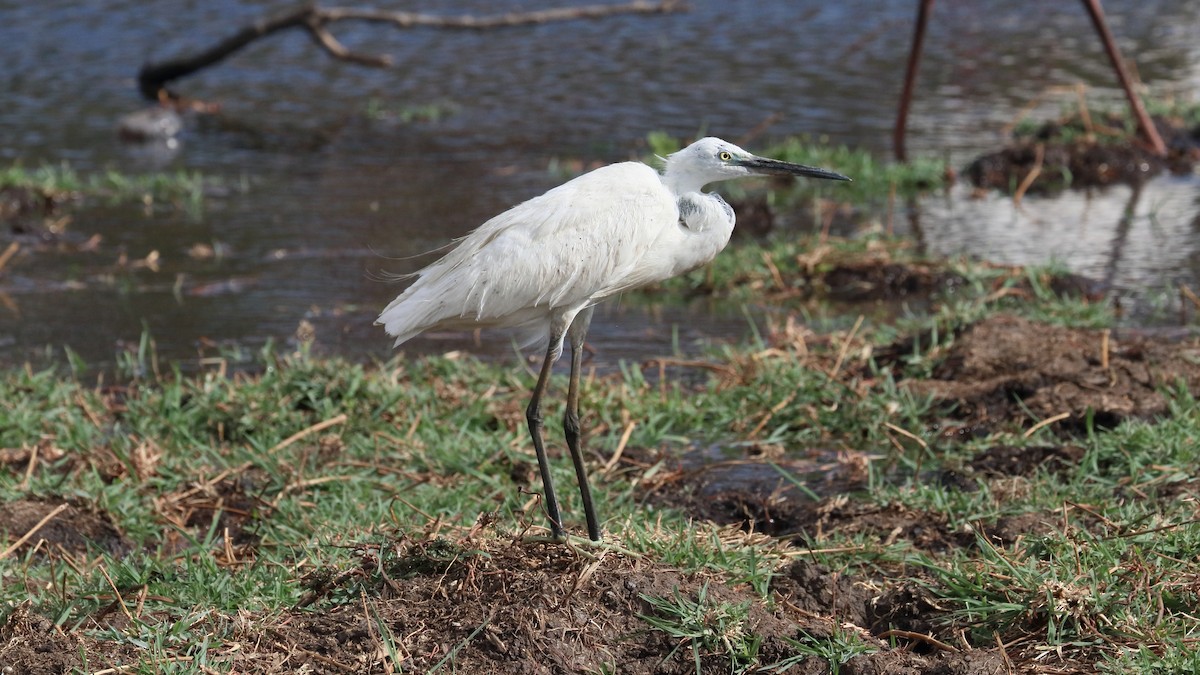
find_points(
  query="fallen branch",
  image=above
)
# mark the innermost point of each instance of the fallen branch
(154, 77)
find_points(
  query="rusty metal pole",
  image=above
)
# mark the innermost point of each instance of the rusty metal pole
(910, 78)
(1145, 124)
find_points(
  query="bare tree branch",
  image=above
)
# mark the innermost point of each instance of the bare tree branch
(154, 77)
(336, 49)
(470, 22)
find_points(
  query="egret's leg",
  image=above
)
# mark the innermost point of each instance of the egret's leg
(571, 428)
(533, 415)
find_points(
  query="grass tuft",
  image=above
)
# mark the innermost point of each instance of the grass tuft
(62, 183)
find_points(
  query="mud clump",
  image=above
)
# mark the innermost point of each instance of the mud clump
(861, 281)
(1007, 460)
(815, 589)
(23, 211)
(1007, 371)
(72, 526)
(32, 643)
(754, 495)
(1062, 166)
(1068, 153)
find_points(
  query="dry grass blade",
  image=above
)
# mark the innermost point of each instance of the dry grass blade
(616, 456)
(907, 434)
(841, 357)
(927, 639)
(318, 427)
(1038, 158)
(1046, 422)
(8, 254)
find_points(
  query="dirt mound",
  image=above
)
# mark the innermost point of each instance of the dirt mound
(526, 609)
(523, 608)
(1009, 371)
(515, 607)
(69, 525)
(1059, 166)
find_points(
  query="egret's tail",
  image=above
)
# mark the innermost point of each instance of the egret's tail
(407, 316)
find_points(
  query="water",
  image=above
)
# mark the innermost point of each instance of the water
(320, 199)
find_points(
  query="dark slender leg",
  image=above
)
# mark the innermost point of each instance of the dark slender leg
(571, 428)
(533, 415)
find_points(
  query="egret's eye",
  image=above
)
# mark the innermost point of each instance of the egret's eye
(725, 156)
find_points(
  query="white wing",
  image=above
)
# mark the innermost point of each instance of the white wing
(704, 223)
(560, 252)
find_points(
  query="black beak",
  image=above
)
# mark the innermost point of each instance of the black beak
(775, 167)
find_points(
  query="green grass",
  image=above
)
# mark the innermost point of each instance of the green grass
(1118, 571)
(836, 649)
(706, 627)
(874, 179)
(61, 182)
(751, 273)
(432, 112)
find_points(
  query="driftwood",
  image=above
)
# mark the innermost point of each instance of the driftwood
(154, 77)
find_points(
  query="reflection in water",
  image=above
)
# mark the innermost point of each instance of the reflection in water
(1138, 241)
(304, 168)
(1124, 225)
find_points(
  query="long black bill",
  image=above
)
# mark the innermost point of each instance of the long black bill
(775, 167)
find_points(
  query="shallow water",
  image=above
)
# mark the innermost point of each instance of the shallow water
(320, 200)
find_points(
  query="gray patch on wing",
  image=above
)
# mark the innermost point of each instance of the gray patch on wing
(688, 210)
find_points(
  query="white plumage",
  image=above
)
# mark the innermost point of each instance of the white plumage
(607, 231)
(542, 265)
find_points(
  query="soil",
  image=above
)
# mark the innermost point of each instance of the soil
(24, 210)
(867, 280)
(1010, 372)
(723, 492)
(487, 604)
(515, 607)
(74, 529)
(1066, 153)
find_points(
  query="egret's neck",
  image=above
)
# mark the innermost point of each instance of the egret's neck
(681, 181)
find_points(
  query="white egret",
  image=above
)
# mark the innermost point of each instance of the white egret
(542, 266)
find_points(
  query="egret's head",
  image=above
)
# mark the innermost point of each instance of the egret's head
(710, 160)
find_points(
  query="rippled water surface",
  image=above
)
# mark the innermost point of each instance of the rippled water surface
(320, 198)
